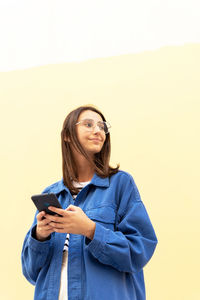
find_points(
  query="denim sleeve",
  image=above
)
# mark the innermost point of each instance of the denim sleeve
(130, 247)
(34, 256)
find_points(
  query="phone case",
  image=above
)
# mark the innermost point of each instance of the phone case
(42, 201)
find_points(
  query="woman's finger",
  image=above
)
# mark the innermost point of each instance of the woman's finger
(44, 222)
(40, 215)
(72, 208)
(55, 218)
(56, 225)
(58, 211)
(48, 228)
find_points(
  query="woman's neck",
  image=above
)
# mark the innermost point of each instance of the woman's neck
(84, 169)
(86, 175)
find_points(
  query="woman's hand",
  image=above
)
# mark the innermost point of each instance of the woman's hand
(73, 220)
(43, 228)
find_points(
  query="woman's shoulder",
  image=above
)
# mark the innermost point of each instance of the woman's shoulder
(123, 176)
(124, 183)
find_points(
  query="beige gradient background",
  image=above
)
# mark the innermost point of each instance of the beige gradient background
(152, 101)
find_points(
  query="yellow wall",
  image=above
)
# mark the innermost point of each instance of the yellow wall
(152, 100)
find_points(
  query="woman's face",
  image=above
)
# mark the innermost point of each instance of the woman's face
(91, 141)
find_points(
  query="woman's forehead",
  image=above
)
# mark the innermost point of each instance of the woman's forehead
(89, 114)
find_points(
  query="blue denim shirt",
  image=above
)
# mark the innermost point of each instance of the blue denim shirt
(111, 265)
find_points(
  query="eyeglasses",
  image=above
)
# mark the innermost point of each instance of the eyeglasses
(90, 124)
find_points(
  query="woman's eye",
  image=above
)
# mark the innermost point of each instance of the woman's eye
(88, 124)
(101, 127)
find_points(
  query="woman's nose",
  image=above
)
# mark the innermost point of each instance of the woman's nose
(96, 128)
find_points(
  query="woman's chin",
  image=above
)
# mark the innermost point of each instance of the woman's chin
(93, 151)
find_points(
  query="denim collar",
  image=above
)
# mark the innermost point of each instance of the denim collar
(96, 181)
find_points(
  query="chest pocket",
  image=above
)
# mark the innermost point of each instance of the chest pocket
(105, 215)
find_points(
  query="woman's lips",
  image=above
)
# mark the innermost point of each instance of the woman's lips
(95, 140)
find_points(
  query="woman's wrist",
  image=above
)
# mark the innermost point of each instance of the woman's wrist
(39, 237)
(90, 230)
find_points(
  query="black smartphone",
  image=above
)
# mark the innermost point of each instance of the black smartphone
(42, 201)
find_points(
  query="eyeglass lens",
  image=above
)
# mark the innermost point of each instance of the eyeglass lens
(90, 124)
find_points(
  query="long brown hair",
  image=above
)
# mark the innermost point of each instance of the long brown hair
(101, 159)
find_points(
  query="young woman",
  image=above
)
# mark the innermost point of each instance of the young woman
(99, 245)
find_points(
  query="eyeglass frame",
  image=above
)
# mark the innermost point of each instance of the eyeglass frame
(108, 126)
